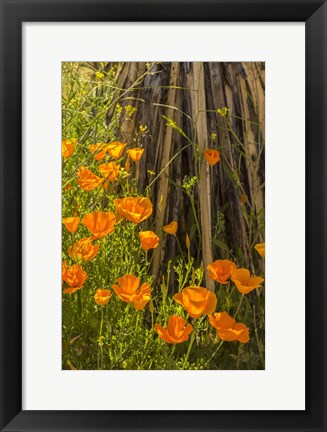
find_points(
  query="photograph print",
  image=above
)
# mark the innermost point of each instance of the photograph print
(163, 215)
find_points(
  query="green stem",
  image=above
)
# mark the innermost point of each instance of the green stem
(189, 348)
(196, 218)
(188, 271)
(257, 337)
(101, 322)
(147, 344)
(168, 273)
(179, 246)
(148, 264)
(100, 340)
(137, 321)
(214, 353)
(220, 290)
(167, 164)
(239, 305)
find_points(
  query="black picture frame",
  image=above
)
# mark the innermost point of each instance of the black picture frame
(13, 14)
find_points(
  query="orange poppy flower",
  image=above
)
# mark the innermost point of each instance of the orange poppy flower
(149, 240)
(221, 270)
(102, 297)
(84, 249)
(115, 149)
(100, 223)
(71, 223)
(68, 147)
(135, 154)
(109, 171)
(178, 330)
(244, 282)
(98, 150)
(197, 301)
(228, 329)
(88, 180)
(75, 277)
(130, 291)
(171, 228)
(134, 209)
(261, 249)
(212, 156)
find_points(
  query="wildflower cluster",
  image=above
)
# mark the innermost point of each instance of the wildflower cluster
(196, 301)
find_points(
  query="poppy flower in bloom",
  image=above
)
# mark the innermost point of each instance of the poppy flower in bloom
(134, 209)
(178, 330)
(115, 149)
(84, 249)
(102, 297)
(74, 276)
(109, 171)
(68, 147)
(171, 228)
(228, 329)
(130, 291)
(88, 180)
(71, 223)
(135, 154)
(212, 156)
(197, 301)
(100, 223)
(149, 240)
(260, 248)
(221, 270)
(244, 282)
(98, 150)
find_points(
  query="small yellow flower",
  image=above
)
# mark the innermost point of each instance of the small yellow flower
(213, 136)
(130, 110)
(143, 129)
(100, 340)
(223, 111)
(99, 76)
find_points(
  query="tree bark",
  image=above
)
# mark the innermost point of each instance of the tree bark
(231, 193)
